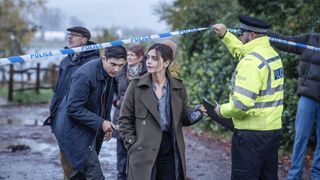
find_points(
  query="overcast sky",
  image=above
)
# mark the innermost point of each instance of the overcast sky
(108, 13)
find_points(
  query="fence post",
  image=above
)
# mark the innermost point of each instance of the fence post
(28, 76)
(3, 76)
(53, 76)
(38, 79)
(10, 90)
(22, 82)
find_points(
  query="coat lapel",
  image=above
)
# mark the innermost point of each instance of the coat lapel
(175, 107)
(147, 97)
(176, 100)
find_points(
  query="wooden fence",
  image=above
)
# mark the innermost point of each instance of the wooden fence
(28, 83)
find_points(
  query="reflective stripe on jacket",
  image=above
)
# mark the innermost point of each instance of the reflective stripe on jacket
(256, 98)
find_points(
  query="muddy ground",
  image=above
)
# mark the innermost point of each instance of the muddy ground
(29, 151)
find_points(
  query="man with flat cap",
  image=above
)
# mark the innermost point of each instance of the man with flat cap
(256, 100)
(77, 36)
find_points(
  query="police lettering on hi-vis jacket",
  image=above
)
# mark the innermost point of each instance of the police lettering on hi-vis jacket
(256, 100)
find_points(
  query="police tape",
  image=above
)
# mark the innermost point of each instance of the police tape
(294, 44)
(47, 54)
(284, 41)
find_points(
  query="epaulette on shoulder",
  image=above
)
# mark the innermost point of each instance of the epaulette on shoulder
(178, 79)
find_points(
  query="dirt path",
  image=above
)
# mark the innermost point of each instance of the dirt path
(29, 151)
(206, 160)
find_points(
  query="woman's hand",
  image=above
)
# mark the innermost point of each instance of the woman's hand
(203, 110)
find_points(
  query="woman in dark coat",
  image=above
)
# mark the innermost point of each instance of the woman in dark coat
(151, 119)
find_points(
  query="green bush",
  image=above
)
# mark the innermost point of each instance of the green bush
(207, 65)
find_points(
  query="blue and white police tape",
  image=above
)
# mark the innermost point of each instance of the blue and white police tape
(284, 41)
(294, 44)
(39, 55)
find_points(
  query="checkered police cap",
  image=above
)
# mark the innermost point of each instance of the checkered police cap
(253, 25)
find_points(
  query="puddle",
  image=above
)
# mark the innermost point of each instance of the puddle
(109, 152)
(18, 115)
(20, 122)
(19, 147)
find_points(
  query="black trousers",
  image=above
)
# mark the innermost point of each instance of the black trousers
(164, 168)
(255, 155)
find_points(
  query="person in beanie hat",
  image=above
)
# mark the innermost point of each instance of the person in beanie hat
(174, 67)
(172, 45)
(256, 100)
(77, 36)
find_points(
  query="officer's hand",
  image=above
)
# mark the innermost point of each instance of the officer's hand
(220, 29)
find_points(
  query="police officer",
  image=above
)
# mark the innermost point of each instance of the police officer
(256, 100)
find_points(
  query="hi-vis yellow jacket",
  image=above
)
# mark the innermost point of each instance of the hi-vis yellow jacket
(256, 98)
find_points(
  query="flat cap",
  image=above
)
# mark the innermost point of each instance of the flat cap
(81, 30)
(253, 25)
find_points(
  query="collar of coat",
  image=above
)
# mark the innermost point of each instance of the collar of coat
(258, 43)
(146, 80)
(148, 98)
(101, 74)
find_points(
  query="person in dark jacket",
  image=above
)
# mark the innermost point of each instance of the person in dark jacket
(77, 36)
(135, 67)
(84, 114)
(308, 112)
(152, 114)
